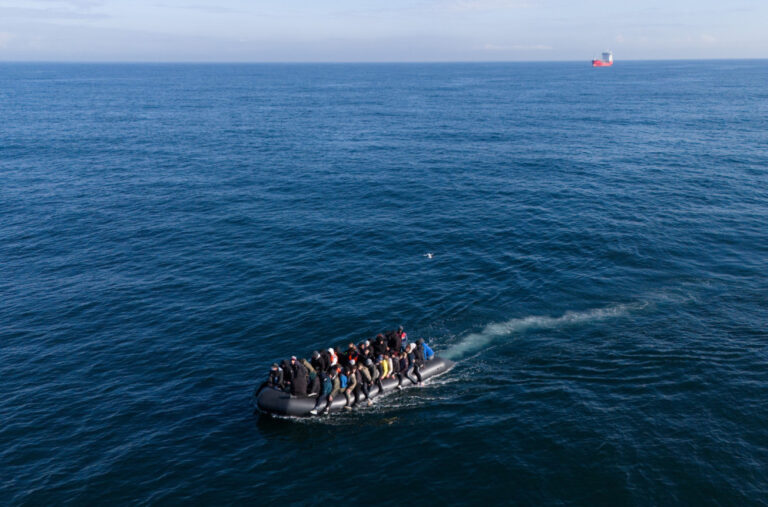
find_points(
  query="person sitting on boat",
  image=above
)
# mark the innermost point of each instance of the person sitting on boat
(352, 354)
(319, 362)
(428, 352)
(309, 367)
(285, 366)
(379, 345)
(350, 391)
(373, 369)
(274, 380)
(313, 382)
(333, 358)
(415, 360)
(300, 378)
(402, 368)
(327, 385)
(395, 339)
(315, 385)
(383, 366)
(365, 352)
(394, 367)
(331, 387)
(364, 381)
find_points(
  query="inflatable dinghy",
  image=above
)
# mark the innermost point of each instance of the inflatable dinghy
(276, 402)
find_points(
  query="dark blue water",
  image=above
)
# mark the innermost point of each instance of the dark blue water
(600, 241)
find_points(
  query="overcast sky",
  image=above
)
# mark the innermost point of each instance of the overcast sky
(387, 30)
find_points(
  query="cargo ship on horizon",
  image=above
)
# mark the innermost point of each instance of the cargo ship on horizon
(605, 61)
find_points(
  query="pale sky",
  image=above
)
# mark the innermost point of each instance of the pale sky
(376, 31)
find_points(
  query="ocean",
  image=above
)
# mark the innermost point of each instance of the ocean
(599, 273)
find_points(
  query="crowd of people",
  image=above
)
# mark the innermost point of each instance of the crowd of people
(355, 372)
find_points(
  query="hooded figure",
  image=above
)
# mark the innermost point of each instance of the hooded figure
(379, 346)
(394, 340)
(320, 361)
(300, 378)
(287, 371)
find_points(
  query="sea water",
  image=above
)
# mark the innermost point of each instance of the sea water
(599, 243)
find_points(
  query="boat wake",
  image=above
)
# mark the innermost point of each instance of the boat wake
(492, 332)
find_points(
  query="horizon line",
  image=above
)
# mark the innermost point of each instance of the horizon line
(360, 62)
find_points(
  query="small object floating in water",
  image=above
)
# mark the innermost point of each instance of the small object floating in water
(276, 402)
(429, 255)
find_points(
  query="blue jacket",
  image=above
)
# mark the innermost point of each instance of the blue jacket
(327, 385)
(428, 352)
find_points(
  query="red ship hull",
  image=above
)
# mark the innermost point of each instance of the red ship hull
(600, 63)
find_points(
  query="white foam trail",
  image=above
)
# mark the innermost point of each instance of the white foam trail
(476, 341)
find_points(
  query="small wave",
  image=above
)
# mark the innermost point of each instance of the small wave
(476, 341)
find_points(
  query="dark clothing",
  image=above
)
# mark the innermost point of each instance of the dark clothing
(365, 353)
(287, 371)
(362, 387)
(402, 368)
(320, 363)
(414, 366)
(394, 340)
(276, 379)
(299, 386)
(412, 372)
(375, 375)
(418, 355)
(379, 347)
(326, 395)
(309, 367)
(300, 380)
(350, 392)
(351, 354)
(327, 384)
(395, 365)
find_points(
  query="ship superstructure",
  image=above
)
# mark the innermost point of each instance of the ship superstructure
(605, 61)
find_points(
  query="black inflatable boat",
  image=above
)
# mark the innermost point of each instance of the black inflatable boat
(273, 401)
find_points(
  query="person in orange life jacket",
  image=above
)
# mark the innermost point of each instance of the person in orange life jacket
(333, 358)
(300, 378)
(352, 353)
(350, 391)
